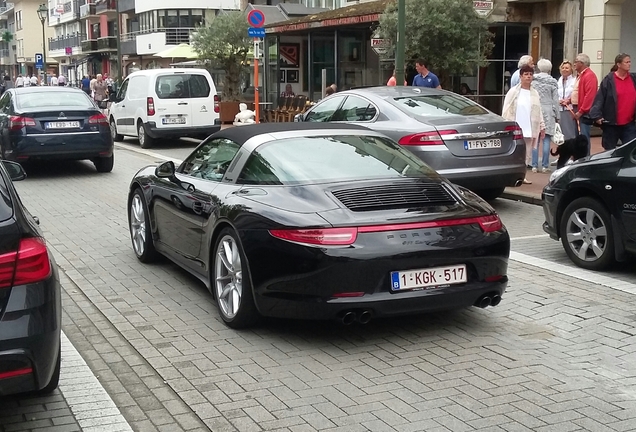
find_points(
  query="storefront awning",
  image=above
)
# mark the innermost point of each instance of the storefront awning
(356, 14)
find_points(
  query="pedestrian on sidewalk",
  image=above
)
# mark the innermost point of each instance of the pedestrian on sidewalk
(565, 87)
(425, 78)
(548, 90)
(523, 105)
(615, 104)
(523, 61)
(583, 95)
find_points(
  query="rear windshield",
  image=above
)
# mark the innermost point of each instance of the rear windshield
(447, 104)
(47, 99)
(6, 208)
(182, 86)
(311, 159)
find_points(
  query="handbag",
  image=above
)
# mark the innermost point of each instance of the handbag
(558, 138)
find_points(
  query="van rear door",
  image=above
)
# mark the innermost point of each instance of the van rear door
(173, 109)
(202, 92)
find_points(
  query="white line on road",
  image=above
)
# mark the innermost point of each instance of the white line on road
(530, 237)
(91, 405)
(147, 153)
(575, 272)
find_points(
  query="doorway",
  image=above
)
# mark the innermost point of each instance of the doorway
(558, 40)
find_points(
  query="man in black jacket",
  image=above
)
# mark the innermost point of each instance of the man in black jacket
(614, 107)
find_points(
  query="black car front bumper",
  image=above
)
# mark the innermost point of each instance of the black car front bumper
(550, 198)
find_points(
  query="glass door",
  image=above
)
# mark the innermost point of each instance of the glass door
(271, 82)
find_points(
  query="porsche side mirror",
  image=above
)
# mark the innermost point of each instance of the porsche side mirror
(166, 170)
(15, 170)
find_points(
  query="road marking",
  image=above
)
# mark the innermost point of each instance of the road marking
(91, 405)
(147, 153)
(530, 237)
(575, 272)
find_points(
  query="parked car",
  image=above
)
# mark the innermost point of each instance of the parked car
(165, 103)
(54, 123)
(30, 297)
(457, 137)
(590, 206)
(318, 221)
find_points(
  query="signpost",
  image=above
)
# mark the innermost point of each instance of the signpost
(256, 20)
(39, 61)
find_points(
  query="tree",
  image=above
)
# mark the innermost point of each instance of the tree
(224, 44)
(447, 33)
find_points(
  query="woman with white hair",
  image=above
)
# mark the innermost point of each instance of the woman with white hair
(548, 90)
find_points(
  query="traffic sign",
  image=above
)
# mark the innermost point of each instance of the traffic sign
(39, 61)
(256, 32)
(256, 18)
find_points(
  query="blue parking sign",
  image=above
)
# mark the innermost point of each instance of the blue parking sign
(39, 61)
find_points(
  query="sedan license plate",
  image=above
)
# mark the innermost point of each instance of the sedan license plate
(428, 278)
(62, 125)
(482, 144)
(173, 120)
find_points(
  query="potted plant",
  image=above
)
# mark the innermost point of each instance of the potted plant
(223, 44)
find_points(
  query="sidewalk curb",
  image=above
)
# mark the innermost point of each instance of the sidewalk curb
(523, 197)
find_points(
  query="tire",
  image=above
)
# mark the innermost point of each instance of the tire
(145, 141)
(139, 226)
(113, 131)
(490, 194)
(232, 291)
(104, 165)
(587, 235)
(55, 378)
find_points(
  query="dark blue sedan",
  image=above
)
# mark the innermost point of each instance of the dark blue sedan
(54, 123)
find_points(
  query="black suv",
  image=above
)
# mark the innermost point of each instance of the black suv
(30, 303)
(591, 206)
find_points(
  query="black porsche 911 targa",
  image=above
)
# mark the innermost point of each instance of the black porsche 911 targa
(318, 221)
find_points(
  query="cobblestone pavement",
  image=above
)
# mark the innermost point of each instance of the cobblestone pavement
(556, 354)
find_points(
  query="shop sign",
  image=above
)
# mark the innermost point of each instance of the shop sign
(325, 23)
(379, 45)
(483, 8)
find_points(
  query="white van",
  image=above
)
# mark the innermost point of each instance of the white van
(165, 103)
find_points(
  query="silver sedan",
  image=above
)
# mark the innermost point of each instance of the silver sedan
(457, 137)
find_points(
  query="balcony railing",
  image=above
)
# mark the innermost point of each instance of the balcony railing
(107, 43)
(105, 6)
(174, 35)
(61, 42)
(87, 10)
(6, 8)
(126, 5)
(89, 45)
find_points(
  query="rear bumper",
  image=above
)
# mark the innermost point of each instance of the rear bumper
(30, 331)
(156, 132)
(487, 177)
(70, 146)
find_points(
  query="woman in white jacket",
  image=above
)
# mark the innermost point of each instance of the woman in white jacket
(523, 105)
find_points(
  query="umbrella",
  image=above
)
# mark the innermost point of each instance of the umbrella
(178, 51)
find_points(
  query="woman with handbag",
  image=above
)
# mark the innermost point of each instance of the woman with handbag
(565, 86)
(614, 106)
(100, 90)
(523, 105)
(548, 90)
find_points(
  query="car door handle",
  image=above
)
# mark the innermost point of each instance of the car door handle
(182, 103)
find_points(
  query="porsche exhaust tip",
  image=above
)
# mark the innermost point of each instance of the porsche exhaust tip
(348, 318)
(518, 182)
(364, 317)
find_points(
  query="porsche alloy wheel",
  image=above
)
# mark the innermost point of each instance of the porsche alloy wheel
(231, 286)
(586, 234)
(139, 233)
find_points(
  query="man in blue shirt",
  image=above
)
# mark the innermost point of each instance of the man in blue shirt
(425, 78)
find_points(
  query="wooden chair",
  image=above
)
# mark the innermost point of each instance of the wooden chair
(280, 114)
(299, 107)
(271, 113)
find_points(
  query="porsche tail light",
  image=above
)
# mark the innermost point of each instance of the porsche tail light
(99, 119)
(426, 138)
(16, 373)
(517, 132)
(216, 103)
(319, 237)
(150, 106)
(19, 122)
(490, 223)
(29, 264)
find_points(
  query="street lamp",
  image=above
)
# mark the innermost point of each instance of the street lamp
(43, 13)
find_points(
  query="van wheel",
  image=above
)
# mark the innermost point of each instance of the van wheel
(145, 141)
(113, 131)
